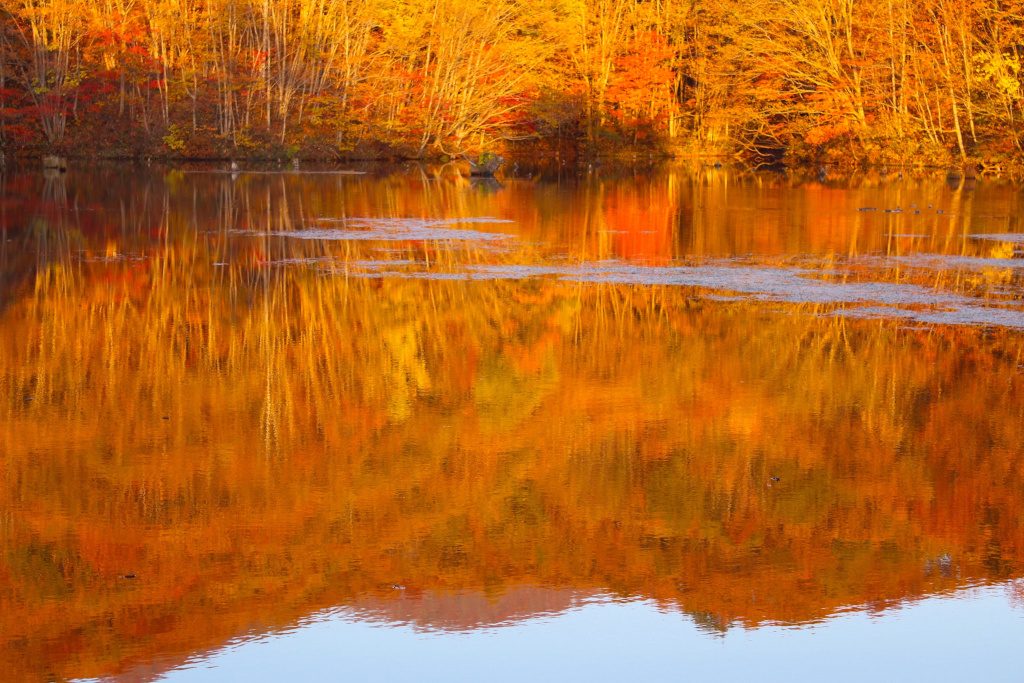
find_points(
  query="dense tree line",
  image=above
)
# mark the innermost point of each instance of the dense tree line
(853, 80)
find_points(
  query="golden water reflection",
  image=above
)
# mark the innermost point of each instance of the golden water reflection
(207, 433)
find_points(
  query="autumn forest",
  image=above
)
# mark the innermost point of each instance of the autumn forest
(842, 82)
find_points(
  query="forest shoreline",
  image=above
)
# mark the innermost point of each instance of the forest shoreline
(837, 84)
(1009, 169)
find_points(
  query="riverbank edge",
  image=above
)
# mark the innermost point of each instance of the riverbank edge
(823, 171)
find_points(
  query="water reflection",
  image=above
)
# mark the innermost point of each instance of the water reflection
(619, 640)
(210, 430)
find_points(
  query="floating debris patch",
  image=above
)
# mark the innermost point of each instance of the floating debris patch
(982, 316)
(786, 285)
(298, 260)
(240, 171)
(373, 268)
(944, 262)
(111, 258)
(394, 230)
(1014, 237)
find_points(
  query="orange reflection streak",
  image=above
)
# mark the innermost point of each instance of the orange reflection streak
(253, 443)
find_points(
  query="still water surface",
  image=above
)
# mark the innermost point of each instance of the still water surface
(678, 424)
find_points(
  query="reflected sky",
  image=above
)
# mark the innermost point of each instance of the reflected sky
(974, 634)
(661, 423)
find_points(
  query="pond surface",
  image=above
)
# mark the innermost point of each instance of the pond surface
(672, 424)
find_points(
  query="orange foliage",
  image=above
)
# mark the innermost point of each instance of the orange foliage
(835, 80)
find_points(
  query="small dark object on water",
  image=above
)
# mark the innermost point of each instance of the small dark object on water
(129, 575)
(166, 417)
(397, 587)
(943, 563)
(896, 210)
(966, 172)
(486, 165)
(52, 162)
(868, 208)
(775, 479)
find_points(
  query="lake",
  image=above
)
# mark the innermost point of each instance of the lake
(658, 424)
